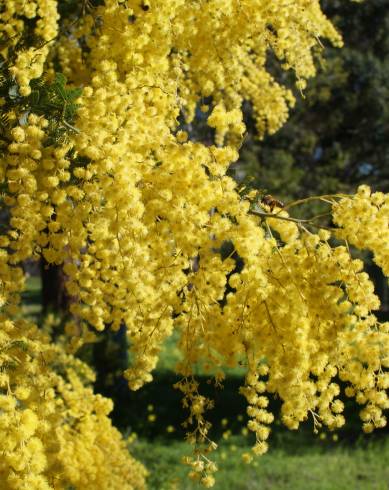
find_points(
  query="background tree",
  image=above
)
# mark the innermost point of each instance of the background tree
(337, 135)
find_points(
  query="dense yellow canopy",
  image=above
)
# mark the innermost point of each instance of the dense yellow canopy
(136, 212)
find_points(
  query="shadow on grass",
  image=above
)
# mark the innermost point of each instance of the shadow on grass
(152, 412)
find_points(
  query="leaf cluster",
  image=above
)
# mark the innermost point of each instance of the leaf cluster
(57, 103)
(54, 100)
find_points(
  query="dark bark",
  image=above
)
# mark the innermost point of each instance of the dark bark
(54, 295)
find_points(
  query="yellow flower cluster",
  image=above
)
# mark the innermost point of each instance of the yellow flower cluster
(137, 214)
(55, 432)
(364, 222)
(226, 122)
(16, 18)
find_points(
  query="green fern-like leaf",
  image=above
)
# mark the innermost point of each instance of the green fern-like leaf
(17, 344)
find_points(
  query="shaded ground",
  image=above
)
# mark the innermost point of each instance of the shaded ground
(325, 467)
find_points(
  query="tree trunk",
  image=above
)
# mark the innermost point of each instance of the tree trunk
(54, 295)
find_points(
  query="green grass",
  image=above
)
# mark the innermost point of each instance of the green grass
(170, 355)
(319, 468)
(31, 306)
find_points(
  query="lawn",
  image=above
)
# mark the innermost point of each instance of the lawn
(314, 468)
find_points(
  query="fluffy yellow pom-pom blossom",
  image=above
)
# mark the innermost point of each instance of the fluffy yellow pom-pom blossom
(136, 213)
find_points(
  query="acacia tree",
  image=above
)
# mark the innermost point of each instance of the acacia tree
(98, 178)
